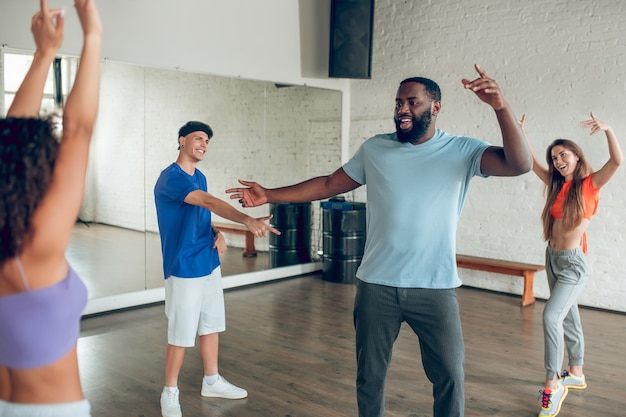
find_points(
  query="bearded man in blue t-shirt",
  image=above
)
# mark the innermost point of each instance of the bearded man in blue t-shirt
(417, 179)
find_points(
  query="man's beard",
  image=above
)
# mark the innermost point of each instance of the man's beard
(420, 126)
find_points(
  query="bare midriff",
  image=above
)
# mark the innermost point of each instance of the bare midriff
(58, 382)
(564, 239)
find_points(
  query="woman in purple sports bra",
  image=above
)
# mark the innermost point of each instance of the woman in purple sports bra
(42, 178)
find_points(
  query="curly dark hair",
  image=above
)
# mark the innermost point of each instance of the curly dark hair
(28, 151)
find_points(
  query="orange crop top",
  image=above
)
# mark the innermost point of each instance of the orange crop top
(591, 198)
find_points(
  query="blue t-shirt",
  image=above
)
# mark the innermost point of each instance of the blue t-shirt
(415, 194)
(186, 235)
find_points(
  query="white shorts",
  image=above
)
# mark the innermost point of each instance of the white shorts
(194, 306)
(74, 409)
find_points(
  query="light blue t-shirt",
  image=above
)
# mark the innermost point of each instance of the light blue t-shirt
(186, 235)
(415, 194)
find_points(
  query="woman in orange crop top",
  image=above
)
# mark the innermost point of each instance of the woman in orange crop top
(572, 190)
(42, 178)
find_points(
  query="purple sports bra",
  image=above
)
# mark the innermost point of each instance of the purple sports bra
(38, 327)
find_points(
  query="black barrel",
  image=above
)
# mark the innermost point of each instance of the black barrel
(293, 245)
(343, 240)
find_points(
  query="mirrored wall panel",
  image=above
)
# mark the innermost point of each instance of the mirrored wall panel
(268, 132)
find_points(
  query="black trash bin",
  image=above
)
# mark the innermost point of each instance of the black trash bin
(343, 240)
(293, 245)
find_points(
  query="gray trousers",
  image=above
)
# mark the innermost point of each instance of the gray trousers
(567, 273)
(433, 315)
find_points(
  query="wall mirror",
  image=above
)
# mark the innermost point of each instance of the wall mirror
(265, 131)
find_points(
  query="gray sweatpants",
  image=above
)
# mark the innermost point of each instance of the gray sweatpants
(433, 314)
(567, 273)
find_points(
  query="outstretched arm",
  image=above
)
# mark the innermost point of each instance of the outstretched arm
(538, 168)
(257, 226)
(310, 190)
(604, 174)
(514, 157)
(47, 28)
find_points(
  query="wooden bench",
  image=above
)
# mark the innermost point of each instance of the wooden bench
(518, 269)
(249, 250)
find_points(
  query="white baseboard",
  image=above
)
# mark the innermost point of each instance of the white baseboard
(155, 295)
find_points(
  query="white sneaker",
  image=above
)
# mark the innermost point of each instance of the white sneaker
(223, 389)
(170, 406)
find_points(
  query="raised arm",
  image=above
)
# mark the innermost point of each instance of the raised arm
(539, 169)
(604, 174)
(317, 188)
(54, 219)
(47, 28)
(514, 157)
(81, 108)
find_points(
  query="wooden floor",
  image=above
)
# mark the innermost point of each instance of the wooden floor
(291, 345)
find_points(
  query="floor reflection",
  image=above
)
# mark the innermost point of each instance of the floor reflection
(113, 260)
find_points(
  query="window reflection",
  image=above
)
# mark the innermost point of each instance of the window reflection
(16, 66)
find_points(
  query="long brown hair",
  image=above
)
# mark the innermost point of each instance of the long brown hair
(573, 206)
(28, 151)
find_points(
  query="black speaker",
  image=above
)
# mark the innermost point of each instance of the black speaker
(351, 27)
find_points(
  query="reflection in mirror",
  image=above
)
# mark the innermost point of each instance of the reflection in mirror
(271, 133)
(13, 67)
(108, 245)
(266, 132)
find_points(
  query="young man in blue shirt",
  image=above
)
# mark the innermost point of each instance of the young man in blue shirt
(194, 298)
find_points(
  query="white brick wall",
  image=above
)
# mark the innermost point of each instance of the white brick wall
(115, 183)
(555, 61)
